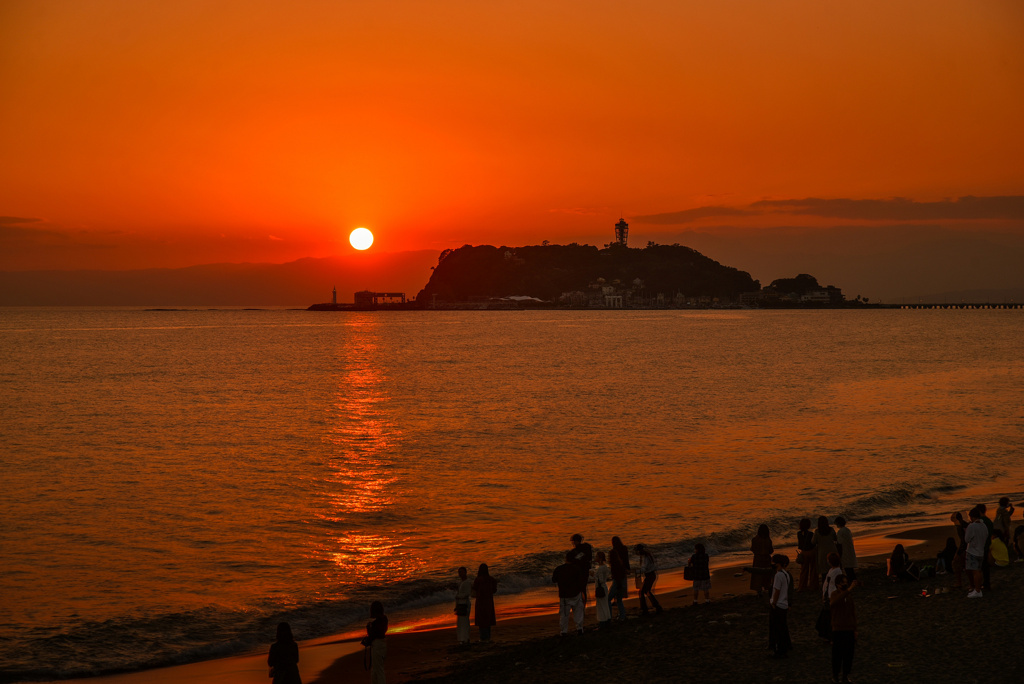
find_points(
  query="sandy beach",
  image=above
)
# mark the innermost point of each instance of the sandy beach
(903, 635)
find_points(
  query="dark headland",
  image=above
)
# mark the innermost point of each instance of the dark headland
(615, 277)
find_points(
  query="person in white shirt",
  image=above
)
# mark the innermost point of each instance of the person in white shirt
(778, 626)
(462, 601)
(835, 570)
(976, 537)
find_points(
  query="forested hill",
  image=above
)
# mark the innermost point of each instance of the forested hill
(546, 271)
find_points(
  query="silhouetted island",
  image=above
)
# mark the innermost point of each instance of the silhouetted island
(584, 276)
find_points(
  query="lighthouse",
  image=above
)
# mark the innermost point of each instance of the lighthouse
(334, 296)
(622, 232)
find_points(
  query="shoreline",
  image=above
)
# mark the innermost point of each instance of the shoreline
(424, 645)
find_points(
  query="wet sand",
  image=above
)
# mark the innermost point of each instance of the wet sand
(903, 636)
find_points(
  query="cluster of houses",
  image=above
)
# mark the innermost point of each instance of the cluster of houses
(616, 295)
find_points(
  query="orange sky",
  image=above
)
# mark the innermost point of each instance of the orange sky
(141, 133)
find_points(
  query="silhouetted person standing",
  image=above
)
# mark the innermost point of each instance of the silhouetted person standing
(977, 545)
(986, 564)
(376, 629)
(808, 556)
(570, 580)
(462, 605)
(284, 657)
(847, 554)
(583, 556)
(484, 588)
(844, 629)
(762, 548)
(824, 540)
(602, 574)
(619, 564)
(778, 619)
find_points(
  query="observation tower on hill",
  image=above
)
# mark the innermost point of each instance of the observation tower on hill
(622, 232)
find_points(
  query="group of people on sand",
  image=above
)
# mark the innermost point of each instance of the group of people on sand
(977, 544)
(610, 573)
(827, 557)
(828, 560)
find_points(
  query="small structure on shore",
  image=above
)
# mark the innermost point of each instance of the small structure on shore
(368, 298)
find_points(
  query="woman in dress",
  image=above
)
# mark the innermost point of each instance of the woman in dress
(762, 548)
(484, 588)
(824, 540)
(649, 570)
(808, 556)
(284, 657)
(601, 574)
(701, 564)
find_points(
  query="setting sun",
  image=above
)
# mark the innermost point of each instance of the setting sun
(361, 238)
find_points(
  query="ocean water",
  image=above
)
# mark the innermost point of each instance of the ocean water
(177, 482)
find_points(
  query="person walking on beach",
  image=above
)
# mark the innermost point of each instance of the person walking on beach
(701, 564)
(976, 537)
(570, 580)
(375, 640)
(844, 543)
(844, 629)
(808, 556)
(463, 594)
(284, 657)
(778, 621)
(619, 563)
(602, 573)
(762, 548)
(649, 570)
(582, 555)
(824, 540)
(484, 588)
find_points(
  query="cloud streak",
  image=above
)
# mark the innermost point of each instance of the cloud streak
(902, 209)
(691, 215)
(1005, 207)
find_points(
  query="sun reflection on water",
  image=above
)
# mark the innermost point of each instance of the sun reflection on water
(361, 480)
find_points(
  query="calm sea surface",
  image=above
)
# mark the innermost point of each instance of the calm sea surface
(176, 482)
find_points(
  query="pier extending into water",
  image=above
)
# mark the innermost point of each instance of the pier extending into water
(963, 305)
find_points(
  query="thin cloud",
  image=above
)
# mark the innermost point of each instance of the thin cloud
(901, 209)
(690, 215)
(15, 220)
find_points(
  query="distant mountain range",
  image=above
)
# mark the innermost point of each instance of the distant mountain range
(297, 283)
